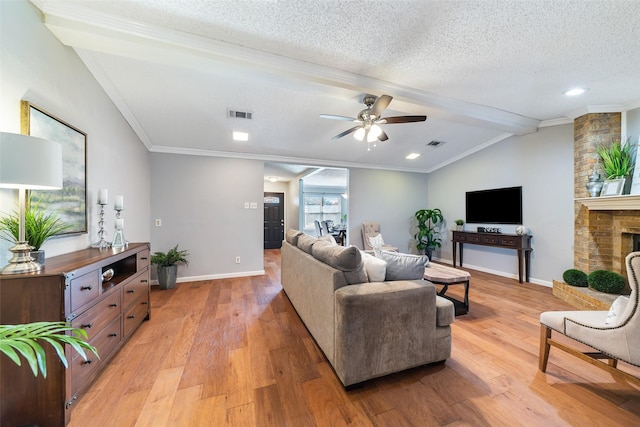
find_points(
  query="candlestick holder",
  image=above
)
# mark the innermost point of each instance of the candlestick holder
(118, 235)
(101, 243)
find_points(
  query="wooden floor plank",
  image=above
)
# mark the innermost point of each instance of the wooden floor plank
(233, 352)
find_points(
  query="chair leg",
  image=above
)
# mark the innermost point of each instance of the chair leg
(545, 334)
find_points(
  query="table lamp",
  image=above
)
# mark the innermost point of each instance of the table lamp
(27, 163)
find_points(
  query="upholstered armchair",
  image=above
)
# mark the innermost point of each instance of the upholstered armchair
(372, 230)
(615, 334)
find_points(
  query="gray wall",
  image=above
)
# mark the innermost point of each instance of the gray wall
(390, 198)
(200, 201)
(542, 163)
(36, 67)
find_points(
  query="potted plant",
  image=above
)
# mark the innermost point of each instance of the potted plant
(39, 226)
(23, 340)
(617, 160)
(430, 223)
(168, 265)
(459, 224)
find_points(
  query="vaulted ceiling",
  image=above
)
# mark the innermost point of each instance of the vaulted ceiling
(480, 70)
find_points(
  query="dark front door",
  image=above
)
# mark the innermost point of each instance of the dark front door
(273, 220)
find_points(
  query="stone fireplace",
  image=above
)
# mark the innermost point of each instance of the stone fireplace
(605, 228)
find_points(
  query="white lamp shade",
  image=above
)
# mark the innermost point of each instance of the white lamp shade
(29, 162)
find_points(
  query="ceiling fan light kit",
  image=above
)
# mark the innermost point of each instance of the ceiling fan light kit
(370, 120)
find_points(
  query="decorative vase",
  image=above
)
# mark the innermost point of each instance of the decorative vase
(594, 185)
(459, 227)
(521, 230)
(38, 256)
(167, 276)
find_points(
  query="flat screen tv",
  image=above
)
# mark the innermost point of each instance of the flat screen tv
(495, 206)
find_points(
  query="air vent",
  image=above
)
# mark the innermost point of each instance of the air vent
(435, 143)
(239, 114)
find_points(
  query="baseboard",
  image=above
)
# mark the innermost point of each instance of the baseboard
(216, 276)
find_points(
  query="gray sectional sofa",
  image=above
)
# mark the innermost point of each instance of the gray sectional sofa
(366, 329)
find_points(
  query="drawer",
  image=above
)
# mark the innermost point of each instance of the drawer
(143, 259)
(460, 237)
(475, 238)
(136, 288)
(84, 289)
(509, 241)
(105, 342)
(490, 240)
(135, 315)
(98, 316)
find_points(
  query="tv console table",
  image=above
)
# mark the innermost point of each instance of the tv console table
(522, 244)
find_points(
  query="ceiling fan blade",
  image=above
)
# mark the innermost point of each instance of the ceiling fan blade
(383, 136)
(380, 105)
(347, 132)
(402, 119)
(332, 117)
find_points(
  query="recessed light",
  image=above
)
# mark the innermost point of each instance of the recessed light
(240, 136)
(574, 91)
(412, 156)
(273, 178)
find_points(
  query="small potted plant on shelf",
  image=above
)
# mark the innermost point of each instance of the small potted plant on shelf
(168, 265)
(39, 226)
(459, 224)
(430, 223)
(618, 161)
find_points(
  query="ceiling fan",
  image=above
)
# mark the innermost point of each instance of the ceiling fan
(369, 120)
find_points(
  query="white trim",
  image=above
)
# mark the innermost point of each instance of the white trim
(498, 273)
(216, 276)
(556, 122)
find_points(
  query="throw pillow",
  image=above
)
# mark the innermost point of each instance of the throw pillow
(376, 241)
(305, 242)
(616, 310)
(347, 260)
(292, 236)
(403, 266)
(376, 268)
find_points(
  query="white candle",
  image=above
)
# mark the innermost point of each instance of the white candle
(102, 196)
(120, 224)
(119, 203)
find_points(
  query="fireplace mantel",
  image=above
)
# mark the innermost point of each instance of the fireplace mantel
(611, 203)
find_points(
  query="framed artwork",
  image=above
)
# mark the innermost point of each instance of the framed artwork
(612, 187)
(71, 201)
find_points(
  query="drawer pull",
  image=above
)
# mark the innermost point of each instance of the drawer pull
(143, 281)
(88, 362)
(87, 325)
(113, 335)
(144, 302)
(131, 316)
(131, 291)
(86, 288)
(115, 304)
(144, 258)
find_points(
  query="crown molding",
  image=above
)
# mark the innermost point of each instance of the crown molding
(81, 29)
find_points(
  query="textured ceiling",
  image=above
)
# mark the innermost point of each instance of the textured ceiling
(481, 71)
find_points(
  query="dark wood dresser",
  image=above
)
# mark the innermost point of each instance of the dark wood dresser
(70, 287)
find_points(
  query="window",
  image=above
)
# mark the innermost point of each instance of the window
(321, 207)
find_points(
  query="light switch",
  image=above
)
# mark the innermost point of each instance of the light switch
(246, 205)
(254, 205)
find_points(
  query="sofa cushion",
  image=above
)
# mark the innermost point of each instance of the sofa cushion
(376, 268)
(403, 266)
(305, 242)
(348, 260)
(328, 238)
(292, 236)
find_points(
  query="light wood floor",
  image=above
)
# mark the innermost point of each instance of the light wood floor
(233, 352)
